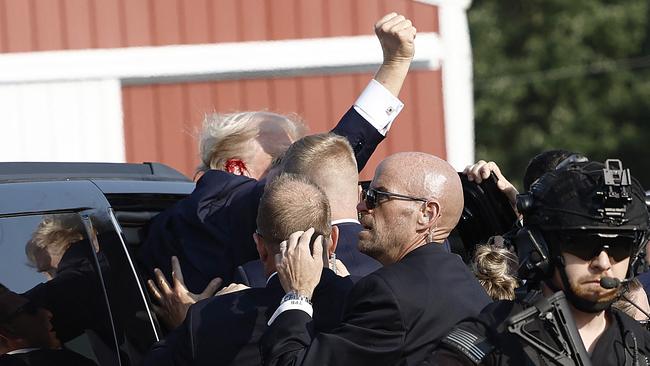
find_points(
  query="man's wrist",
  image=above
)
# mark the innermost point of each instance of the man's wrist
(298, 296)
(397, 62)
(293, 301)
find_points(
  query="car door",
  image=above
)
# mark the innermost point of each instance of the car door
(61, 249)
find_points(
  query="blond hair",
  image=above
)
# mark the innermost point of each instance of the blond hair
(54, 235)
(318, 150)
(328, 160)
(227, 136)
(292, 203)
(495, 268)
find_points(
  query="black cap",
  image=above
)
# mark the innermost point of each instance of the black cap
(588, 196)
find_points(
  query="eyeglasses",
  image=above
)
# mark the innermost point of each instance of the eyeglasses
(27, 308)
(371, 197)
(587, 247)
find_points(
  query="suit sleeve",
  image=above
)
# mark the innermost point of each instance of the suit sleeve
(363, 137)
(175, 349)
(372, 332)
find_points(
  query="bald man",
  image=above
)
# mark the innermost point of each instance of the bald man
(397, 313)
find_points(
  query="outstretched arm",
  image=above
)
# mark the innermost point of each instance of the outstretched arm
(366, 124)
(397, 36)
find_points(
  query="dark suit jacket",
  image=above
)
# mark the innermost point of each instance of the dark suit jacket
(211, 230)
(46, 357)
(358, 264)
(225, 330)
(393, 316)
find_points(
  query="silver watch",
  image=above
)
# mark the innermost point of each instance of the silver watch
(292, 295)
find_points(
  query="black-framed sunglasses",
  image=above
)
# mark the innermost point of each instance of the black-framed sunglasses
(371, 197)
(28, 308)
(587, 247)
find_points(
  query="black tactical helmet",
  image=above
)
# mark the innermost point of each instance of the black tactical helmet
(587, 197)
(581, 208)
(574, 207)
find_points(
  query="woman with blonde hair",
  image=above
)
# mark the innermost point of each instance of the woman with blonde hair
(495, 268)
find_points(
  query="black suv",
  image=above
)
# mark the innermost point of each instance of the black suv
(69, 233)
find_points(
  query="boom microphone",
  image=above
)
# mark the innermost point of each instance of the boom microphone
(611, 282)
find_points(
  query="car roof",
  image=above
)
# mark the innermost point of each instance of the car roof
(31, 187)
(41, 171)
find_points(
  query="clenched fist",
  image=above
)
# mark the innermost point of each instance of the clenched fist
(397, 36)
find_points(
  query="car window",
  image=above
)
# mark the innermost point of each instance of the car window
(51, 262)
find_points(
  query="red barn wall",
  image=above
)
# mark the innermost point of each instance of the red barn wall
(160, 121)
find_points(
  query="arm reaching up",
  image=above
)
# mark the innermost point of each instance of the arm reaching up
(397, 36)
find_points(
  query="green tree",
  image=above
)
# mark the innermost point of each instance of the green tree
(562, 74)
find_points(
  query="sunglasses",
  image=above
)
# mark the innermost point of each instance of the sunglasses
(371, 197)
(28, 308)
(589, 246)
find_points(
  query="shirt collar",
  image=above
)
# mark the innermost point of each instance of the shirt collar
(21, 350)
(342, 221)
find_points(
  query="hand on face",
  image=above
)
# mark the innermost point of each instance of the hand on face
(300, 270)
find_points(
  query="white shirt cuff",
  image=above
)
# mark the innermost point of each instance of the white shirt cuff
(292, 305)
(378, 106)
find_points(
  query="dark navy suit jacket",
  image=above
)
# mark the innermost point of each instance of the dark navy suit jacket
(211, 230)
(394, 316)
(225, 330)
(357, 263)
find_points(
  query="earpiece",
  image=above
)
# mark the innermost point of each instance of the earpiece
(533, 253)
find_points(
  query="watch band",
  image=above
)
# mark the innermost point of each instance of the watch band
(294, 296)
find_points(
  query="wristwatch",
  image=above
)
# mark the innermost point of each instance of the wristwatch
(294, 296)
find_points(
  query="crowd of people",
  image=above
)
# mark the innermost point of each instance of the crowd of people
(278, 257)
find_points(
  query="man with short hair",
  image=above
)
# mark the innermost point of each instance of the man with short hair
(27, 336)
(327, 160)
(225, 330)
(582, 223)
(396, 314)
(211, 230)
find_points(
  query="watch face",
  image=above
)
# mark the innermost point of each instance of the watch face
(290, 296)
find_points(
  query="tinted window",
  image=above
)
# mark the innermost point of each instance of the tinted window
(51, 262)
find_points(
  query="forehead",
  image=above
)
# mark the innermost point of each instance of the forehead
(388, 176)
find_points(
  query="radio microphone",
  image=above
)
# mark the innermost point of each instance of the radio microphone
(611, 282)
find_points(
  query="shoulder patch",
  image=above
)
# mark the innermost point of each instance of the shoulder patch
(469, 344)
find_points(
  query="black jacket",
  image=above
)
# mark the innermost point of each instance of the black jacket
(358, 264)
(492, 344)
(211, 230)
(225, 330)
(46, 357)
(394, 316)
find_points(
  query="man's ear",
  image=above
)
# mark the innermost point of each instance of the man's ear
(236, 167)
(429, 214)
(261, 248)
(334, 238)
